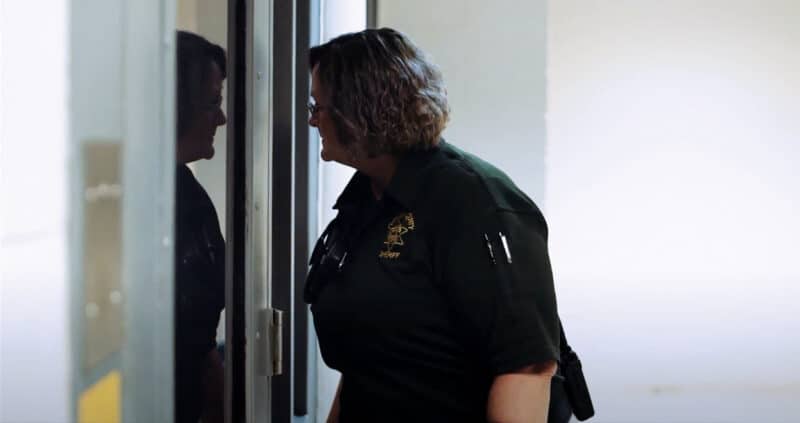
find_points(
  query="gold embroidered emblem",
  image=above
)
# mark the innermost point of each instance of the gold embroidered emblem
(399, 226)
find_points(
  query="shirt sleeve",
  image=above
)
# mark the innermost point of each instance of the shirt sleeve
(501, 292)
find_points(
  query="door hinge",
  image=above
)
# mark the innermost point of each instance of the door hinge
(270, 342)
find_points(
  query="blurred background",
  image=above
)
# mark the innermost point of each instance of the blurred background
(660, 138)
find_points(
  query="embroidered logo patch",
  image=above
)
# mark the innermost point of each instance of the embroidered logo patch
(399, 226)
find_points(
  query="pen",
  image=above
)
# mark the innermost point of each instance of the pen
(489, 247)
(505, 246)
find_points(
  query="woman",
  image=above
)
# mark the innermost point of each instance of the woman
(199, 246)
(431, 290)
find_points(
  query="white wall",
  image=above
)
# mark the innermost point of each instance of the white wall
(672, 197)
(34, 332)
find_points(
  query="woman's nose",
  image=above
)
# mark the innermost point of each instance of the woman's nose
(221, 119)
(312, 120)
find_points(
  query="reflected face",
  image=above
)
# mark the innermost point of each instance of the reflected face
(322, 119)
(198, 140)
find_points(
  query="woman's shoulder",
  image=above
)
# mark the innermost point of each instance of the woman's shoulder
(462, 178)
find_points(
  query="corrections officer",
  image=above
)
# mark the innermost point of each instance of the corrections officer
(431, 290)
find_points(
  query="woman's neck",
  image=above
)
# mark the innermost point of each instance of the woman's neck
(380, 170)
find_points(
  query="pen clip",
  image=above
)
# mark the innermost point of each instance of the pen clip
(489, 247)
(507, 250)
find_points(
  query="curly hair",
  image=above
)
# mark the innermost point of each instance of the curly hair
(195, 55)
(385, 95)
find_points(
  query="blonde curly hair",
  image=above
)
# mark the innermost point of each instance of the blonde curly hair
(385, 95)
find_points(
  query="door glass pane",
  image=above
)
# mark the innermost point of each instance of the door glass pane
(200, 209)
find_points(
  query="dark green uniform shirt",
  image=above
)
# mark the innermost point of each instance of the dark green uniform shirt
(199, 290)
(430, 303)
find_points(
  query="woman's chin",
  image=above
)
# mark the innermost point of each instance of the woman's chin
(325, 155)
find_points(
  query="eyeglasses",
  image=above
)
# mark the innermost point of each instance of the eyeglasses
(313, 108)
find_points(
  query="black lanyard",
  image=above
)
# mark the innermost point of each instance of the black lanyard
(333, 248)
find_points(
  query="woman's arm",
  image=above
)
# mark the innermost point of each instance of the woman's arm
(333, 415)
(521, 396)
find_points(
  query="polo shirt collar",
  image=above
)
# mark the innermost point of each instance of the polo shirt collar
(409, 177)
(404, 187)
(354, 192)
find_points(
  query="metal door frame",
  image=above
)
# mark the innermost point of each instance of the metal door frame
(248, 234)
(149, 202)
(294, 205)
(250, 330)
(271, 208)
(141, 369)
